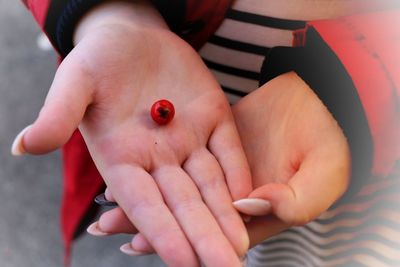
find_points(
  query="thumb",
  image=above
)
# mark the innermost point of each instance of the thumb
(63, 110)
(321, 179)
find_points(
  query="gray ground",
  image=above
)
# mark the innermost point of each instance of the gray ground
(30, 187)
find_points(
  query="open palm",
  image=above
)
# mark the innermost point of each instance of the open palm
(172, 181)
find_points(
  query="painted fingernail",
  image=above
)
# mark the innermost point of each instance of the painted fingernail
(102, 201)
(94, 229)
(253, 206)
(128, 250)
(17, 148)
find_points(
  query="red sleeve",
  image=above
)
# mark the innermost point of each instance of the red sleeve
(195, 21)
(209, 14)
(368, 47)
(39, 9)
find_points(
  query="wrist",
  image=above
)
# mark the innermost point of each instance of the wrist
(138, 14)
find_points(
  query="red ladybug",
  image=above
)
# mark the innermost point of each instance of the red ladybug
(162, 111)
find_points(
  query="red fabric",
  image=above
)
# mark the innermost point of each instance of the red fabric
(39, 9)
(368, 46)
(299, 37)
(211, 12)
(82, 182)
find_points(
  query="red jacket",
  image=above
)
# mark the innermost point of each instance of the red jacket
(365, 47)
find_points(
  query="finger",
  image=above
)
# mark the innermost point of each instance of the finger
(116, 222)
(109, 195)
(225, 145)
(137, 194)
(205, 171)
(63, 110)
(95, 230)
(201, 228)
(320, 181)
(140, 243)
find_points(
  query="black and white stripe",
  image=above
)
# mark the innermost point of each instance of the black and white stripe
(236, 52)
(365, 232)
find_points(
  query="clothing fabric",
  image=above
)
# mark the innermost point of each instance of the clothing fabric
(350, 60)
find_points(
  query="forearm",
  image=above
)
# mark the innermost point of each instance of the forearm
(137, 15)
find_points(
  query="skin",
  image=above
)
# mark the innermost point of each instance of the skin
(298, 155)
(175, 182)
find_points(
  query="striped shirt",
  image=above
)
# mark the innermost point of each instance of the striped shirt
(365, 232)
(236, 51)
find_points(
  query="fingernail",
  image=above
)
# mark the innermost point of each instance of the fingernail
(128, 250)
(94, 229)
(253, 206)
(102, 201)
(17, 148)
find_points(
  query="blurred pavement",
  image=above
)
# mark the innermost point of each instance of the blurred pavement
(30, 187)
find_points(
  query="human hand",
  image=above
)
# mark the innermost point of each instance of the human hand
(298, 155)
(169, 180)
